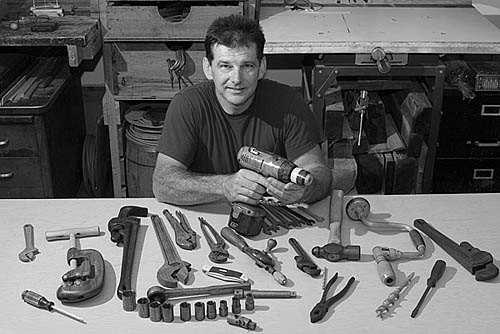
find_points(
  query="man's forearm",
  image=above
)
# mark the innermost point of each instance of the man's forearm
(186, 188)
(321, 186)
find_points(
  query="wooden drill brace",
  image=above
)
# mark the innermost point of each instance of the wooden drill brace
(86, 277)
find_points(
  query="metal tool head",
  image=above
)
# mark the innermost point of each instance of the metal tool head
(170, 274)
(28, 255)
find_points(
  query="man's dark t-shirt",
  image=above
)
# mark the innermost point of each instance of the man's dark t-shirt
(199, 134)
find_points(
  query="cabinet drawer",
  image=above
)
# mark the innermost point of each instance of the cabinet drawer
(466, 175)
(149, 79)
(18, 137)
(166, 21)
(470, 129)
(20, 173)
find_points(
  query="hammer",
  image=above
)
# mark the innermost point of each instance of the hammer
(333, 251)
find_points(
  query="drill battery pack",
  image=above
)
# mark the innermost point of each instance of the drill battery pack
(246, 219)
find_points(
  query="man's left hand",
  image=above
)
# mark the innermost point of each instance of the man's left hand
(286, 193)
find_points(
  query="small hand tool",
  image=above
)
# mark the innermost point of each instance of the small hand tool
(358, 209)
(29, 252)
(262, 258)
(34, 299)
(320, 309)
(361, 106)
(436, 273)
(218, 248)
(174, 269)
(303, 260)
(225, 274)
(478, 262)
(185, 237)
(160, 294)
(333, 251)
(86, 277)
(124, 230)
(393, 296)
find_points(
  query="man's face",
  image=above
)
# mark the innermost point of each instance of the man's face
(235, 73)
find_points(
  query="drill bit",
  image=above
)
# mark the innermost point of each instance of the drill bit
(436, 273)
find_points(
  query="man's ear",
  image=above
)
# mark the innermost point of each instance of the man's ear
(262, 67)
(207, 68)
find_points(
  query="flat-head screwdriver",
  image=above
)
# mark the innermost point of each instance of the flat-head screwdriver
(40, 301)
(436, 273)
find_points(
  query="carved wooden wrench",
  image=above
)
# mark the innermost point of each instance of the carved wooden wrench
(174, 269)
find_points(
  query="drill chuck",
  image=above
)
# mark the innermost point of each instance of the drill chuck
(269, 164)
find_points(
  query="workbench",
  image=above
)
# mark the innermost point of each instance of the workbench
(458, 304)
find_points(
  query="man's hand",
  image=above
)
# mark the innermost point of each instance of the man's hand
(286, 193)
(245, 186)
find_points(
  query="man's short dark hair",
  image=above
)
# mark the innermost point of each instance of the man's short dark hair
(234, 31)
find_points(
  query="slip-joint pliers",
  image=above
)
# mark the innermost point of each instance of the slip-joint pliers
(321, 308)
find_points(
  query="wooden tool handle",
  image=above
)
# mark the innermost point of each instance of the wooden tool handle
(82, 232)
(335, 216)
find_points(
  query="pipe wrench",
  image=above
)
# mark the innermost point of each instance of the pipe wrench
(479, 263)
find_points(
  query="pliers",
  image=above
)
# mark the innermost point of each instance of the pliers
(320, 309)
(185, 237)
(218, 247)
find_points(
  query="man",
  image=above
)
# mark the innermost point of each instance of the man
(206, 124)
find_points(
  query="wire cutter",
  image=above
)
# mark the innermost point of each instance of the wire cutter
(320, 309)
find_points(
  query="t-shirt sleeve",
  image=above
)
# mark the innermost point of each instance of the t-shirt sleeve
(178, 139)
(302, 132)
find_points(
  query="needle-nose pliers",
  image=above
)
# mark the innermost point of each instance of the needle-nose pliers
(320, 309)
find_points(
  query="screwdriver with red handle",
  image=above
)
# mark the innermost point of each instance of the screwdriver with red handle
(40, 301)
(436, 273)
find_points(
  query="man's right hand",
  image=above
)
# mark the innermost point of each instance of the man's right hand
(245, 186)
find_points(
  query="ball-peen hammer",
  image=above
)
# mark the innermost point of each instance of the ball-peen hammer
(333, 251)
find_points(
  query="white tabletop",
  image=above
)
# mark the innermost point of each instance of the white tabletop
(459, 303)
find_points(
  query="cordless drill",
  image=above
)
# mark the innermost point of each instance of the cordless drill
(248, 219)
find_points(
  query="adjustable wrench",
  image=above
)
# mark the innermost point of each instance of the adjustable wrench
(479, 263)
(29, 252)
(304, 261)
(174, 269)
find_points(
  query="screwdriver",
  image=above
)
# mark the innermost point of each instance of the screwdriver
(40, 301)
(436, 273)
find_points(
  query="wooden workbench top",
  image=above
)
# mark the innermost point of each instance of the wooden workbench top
(396, 29)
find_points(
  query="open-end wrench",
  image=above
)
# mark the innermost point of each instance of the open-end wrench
(29, 252)
(185, 237)
(124, 230)
(174, 269)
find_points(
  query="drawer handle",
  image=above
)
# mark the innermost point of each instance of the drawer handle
(490, 110)
(483, 174)
(7, 175)
(485, 144)
(4, 142)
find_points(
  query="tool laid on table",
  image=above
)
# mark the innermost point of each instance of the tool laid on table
(185, 237)
(303, 260)
(333, 251)
(174, 269)
(86, 277)
(37, 300)
(321, 308)
(262, 258)
(124, 230)
(358, 209)
(160, 294)
(225, 274)
(436, 274)
(478, 262)
(30, 251)
(393, 297)
(218, 248)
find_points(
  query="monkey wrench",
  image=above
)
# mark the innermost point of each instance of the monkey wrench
(479, 263)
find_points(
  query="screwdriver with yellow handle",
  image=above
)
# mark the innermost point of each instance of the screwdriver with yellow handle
(436, 273)
(37, 300)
